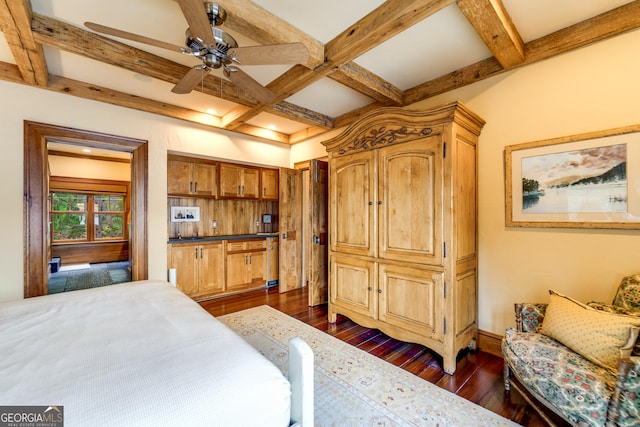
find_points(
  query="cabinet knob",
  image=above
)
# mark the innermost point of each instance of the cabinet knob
(370, 203)
(370, 288)
(379, 202)
(379, 291)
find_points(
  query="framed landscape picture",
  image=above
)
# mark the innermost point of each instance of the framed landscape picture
(586, 181)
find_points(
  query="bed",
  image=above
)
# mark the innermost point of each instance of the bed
(135, 354)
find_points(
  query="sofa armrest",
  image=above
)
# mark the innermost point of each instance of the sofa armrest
(529, 316)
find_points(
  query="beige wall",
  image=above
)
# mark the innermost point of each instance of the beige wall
(591, 89)
(86, 168)
(19, 103)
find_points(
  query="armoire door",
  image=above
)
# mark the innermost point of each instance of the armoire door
(353, 204)
(289, 224)
(410, 197)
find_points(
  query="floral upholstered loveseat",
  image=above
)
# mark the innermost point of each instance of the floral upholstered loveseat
(581, 361)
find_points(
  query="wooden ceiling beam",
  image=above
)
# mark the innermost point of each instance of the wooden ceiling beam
(609, 24)
(15, 23)
(367, 83)
(76, 40)
(493, 24)
(251, 20)
(70, 38)
(302, 115)
(389, 19)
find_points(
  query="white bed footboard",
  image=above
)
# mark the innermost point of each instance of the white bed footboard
(301, 379)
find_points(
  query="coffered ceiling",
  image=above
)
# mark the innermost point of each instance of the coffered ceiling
(363, 54)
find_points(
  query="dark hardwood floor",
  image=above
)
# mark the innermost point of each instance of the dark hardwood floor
(478, 377)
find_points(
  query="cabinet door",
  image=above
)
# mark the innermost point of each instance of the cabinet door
(269, 179)
(204, 177)
(410, 192)
(211, 276)
(351, 285)
(274, 265)
(230, 180)
(184, 258)
(250, 183)
(257, 270)
(352, 204)
(179, 177)
(237, 271)
(412, 299)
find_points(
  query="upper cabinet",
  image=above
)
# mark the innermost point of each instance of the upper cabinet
(187, 177)
(238, 181)
(195, 177)
(269, 180)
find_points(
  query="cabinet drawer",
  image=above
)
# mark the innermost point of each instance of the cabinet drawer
(247, 245)
(257, 244)
(235, 246)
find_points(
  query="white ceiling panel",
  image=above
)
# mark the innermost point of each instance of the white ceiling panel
(535, 19)
(436, 46)
(330, 98)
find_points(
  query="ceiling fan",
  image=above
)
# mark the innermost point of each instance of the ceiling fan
(217, 49)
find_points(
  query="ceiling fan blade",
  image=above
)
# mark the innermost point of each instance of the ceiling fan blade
(131, 36)
(196, 15)
(286, 53)
(190, 80)
(253, 87)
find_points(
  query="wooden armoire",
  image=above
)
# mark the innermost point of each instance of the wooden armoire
(402, 226)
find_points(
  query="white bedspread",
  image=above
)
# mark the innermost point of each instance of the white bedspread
(135, 354)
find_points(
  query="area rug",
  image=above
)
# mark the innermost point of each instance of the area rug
(88, 278)
(352, 387)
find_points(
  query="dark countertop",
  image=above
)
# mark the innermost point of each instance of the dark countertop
(225, 237)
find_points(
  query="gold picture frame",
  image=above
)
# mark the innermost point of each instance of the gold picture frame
(589, 180)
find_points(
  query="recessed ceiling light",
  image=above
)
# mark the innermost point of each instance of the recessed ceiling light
(212, 111)
(86, 150)
(272, 127)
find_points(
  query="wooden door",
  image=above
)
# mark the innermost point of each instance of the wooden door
(184, 258)
(290, 220)
(212, 278)
(319, 222)
(353, 204)
(410, 219)
(204, 178)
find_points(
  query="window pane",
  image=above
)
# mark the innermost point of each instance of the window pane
(69, 202)
(69, 227)
(108, 203)
(109, 226)
(116, 204)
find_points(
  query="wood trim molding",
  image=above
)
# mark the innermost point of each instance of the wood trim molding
(490, 343)
(36, 240)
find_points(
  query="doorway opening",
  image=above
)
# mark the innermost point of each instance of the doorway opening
(115, 224)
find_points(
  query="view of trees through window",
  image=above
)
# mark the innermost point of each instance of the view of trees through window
(87, 217)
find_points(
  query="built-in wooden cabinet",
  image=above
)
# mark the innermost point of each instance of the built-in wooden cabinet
(191, 178)
(246, 264)
(199, 268)
(403, 249)
(239, 181)
(269, 182)
(273, 270)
